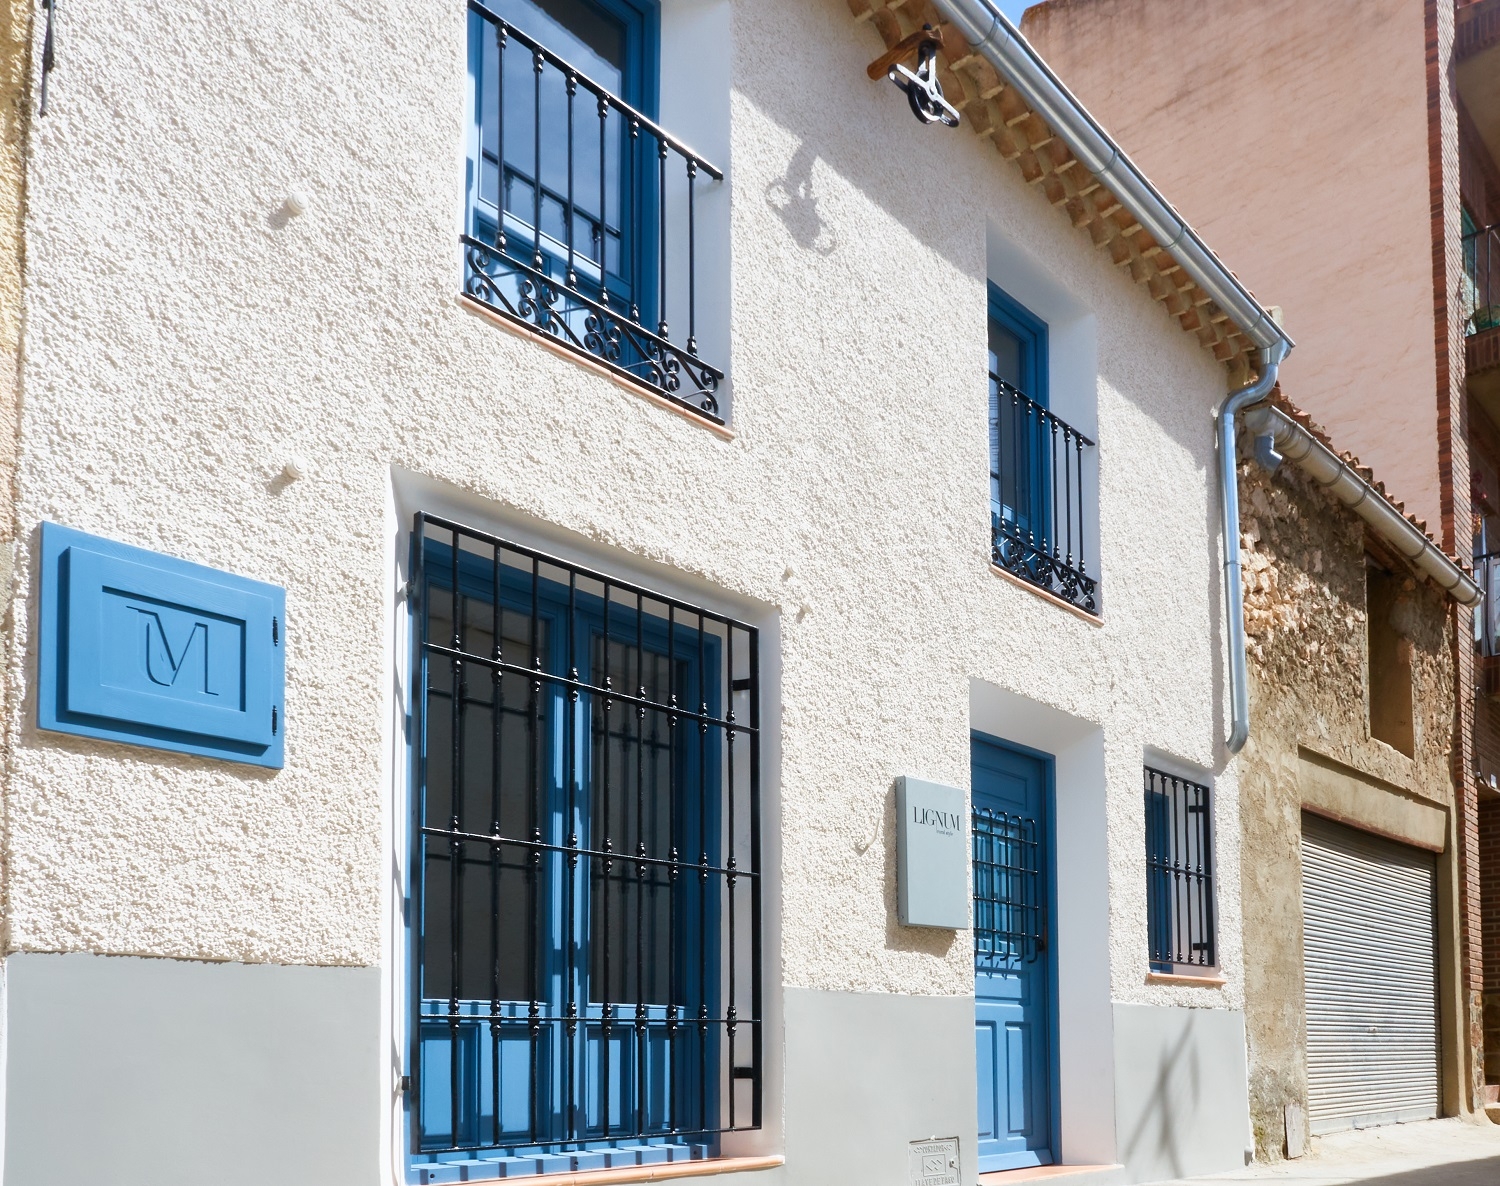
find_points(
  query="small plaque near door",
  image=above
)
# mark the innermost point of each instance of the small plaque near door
(933, 1162)
(932, 855)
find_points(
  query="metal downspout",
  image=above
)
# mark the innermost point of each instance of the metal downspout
(995, 38)
(1229, 504)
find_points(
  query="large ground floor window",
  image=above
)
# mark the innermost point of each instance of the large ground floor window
(585, 889)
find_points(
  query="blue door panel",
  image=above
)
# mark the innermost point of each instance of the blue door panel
(986, 1048)
(1012, 987)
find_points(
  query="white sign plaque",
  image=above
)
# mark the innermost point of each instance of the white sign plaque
(933, 1162)
(932, 855)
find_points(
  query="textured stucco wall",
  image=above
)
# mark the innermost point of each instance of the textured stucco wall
(1310, 746)
(186, 337)
(1254, 118)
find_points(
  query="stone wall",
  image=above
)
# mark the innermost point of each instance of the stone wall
(1305, 588)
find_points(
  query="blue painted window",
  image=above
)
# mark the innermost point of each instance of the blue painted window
(531, 148)
(1180, 906)
(1020, 448)
(576, 869)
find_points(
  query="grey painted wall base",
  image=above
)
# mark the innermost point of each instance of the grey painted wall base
(1181, 1103)
(867, 1073)
(155, 1072)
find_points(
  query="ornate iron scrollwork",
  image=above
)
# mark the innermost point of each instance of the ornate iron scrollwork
(520, 292)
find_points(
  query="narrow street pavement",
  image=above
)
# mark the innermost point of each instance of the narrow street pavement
(1430, 1153)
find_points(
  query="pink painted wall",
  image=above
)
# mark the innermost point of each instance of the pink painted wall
(1293, 136)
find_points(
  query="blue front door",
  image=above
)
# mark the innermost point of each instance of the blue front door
(1012, 987)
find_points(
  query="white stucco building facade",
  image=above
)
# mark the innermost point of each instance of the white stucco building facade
(246, 347)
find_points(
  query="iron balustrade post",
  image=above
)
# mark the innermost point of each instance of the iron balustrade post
(692, 341)
(538, 63)
(661, 205)
(572, 88)
(603, 232)
(635, 248)
(502, 195)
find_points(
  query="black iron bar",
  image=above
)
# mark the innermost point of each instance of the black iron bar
(580, 686)
(661, 207)
(640, 868)
(570, 824)
(421, 606)
(502, 198)
(538, 63)
(572, 87)
(634, 247)
(673, 980)
(534, 854)
(607, 865)
(753, 644)
(703, 973)
(455, 846)
(583, 852)
(497, 755)
(603, 232)
(692, 341)
(731, 1013)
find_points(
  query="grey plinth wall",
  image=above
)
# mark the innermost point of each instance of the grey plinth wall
(154, 1072)
(1181, 1103)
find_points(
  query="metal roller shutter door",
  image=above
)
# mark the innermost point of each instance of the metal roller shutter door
(1370, 946)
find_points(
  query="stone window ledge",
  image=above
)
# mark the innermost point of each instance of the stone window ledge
(1189, 980)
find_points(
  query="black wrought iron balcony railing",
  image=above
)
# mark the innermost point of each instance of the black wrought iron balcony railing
(583, 217)
(1037, 507)
(1482, 280)
(1487, 612)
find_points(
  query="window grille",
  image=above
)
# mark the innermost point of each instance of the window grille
(586, 888)
(1179, 873)
(1009, 909)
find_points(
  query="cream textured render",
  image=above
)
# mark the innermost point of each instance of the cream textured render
(186, 335)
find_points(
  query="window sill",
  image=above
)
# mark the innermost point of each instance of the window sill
(1204, 980)
(660, 1173)
(588, 364)
(1052, 598)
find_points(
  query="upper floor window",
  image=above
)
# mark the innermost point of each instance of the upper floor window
(1036, 463)
(1179, 874)
(580, 219)
(1481, 246)
(1388, 614)
(585, 888)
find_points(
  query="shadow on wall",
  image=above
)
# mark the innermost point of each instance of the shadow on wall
(791, 197)
(1175, 1088)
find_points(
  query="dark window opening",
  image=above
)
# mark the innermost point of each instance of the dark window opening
(1179, 874)
(1387, 613)
(586, 881)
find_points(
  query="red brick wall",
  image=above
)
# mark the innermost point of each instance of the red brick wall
(1489, 865)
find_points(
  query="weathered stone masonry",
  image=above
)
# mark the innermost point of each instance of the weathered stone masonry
(1304, 576)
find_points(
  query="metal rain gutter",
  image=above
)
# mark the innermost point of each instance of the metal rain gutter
(1330, 471)
(992, 35)
(1229, 509)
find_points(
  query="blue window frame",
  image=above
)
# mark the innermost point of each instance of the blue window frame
(1019, 446)
(1180, 908)
(550, 165)
(577, 868)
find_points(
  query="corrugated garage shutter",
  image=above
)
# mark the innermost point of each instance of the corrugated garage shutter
(1371, 957)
